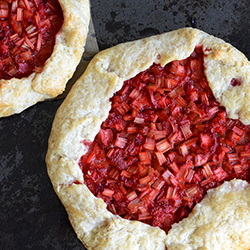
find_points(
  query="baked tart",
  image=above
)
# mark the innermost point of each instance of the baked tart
(41, 43)
(151, 147)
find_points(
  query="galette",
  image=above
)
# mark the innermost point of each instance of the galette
(41, 43)
(151, 147)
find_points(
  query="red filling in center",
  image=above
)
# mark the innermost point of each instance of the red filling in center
(27, 35)
(165, 143)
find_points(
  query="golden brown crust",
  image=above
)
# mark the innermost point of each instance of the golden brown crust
(18, 94)
(87, 105)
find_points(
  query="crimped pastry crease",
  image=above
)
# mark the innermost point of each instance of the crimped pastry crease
(19, 94)
(87, 105)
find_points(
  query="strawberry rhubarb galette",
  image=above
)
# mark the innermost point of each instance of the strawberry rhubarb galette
(151, 148)
(41, 43)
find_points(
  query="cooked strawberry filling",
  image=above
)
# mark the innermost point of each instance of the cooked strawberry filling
(165, 143)
(27, 35)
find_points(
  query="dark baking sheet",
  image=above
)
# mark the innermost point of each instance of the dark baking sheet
(31, 215)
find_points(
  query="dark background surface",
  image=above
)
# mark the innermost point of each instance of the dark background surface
(31, 215)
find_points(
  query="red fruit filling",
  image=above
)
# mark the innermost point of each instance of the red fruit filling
(165, 143)
(27, 35)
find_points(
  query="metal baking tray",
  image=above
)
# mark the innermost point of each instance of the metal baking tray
(31, 215)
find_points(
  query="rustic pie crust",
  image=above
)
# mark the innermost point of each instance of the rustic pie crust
(221, 220)
(18, 94)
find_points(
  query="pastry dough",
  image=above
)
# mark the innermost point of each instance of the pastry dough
(87, 105)
(18, 94)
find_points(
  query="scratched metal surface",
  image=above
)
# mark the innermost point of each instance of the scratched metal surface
(31, 215)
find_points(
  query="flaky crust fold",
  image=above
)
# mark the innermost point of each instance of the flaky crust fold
(19, 94)
(87, 105)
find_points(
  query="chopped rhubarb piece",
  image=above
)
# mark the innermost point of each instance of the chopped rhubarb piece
(237, 168)
(244, 154)
(39, 42)
(14, 37)
(112, 209)
(238, 130)
(213, 111)
(120, 142)
(27, 15)
(158, 184)
(233, 157)
(160, 157)
(114, 173)
(4, 13)
(180, 101)
(206, 182)
(14, 6)
(170, 83)
(110, 153)
(191, 192)
(19, 14)
(220, 174)
(132, 195)
(176, 92)
(134, 94)
(120, 110)
(27, 5)
(123, 189)
(12, 71)
(187, 199)
(126, 174)
(108, 192)
(4, 4)
(132, 130)
(19, 42)
(149, 144)
(142, 170)
(90, 157)
(174, 167)
(144, 180)
(31, 28)
(200, 160)
(181, 174)
(171, 192)
(173, 181)
(186, 131)
(183, 149)
(138, 120)
(31, 45)
(166, 176)
(153, 194)
(133, 206)
(163, 145)
(144, 157)
(145, 216)
(118, 196)
(189, 175)
(25, 56)
(158, 134)
(172, 156)
(207, 170)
